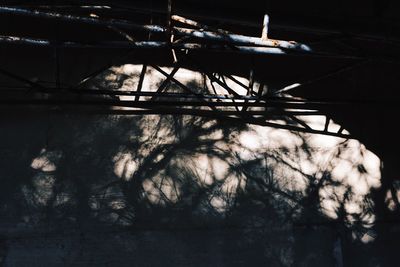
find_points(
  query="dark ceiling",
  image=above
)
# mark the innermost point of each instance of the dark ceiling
(363, 36)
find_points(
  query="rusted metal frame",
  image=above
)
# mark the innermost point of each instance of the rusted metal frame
(25, 40)
(211, 76)
(182, 85)
(275, 26)
(53, 90)
(151, 93)
(88, 20)
(167, 81)
(91, 76)
(325, 76)
(141, 79)
(250, 88)
(102, 69)
(327, 121)
(251, 83)
(223, 115)
(242, 39)
(170, 33)
(272, 101)
(317, 31)
(169, 14)
(100, 92)
(160, 44)
(172, 79)
(225, 86)
(234, 38)
(156, 28)
(260, 89)
(230, 77)
(16, 77)
(300, 122)
(181, 40)
(259, 50)
(138, 44)
(299, 129)
(189, 111)
(154, 107)
(221, 77)
(110, 44)
(205, 87)
(65, 6)
(214, 90)
(151, 23)
(150, 103)
(176, 68)
(129, 38)
(264, 33)
(199, 25)
(120, 32)
(120, 103)
(340, 130)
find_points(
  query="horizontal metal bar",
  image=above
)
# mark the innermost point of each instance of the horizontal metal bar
(160, 44)
(317, 102)
(242, 39)
(129, 45)
(88, 20)
(161, 95)
(154, 103)
(300, 129)
(197, 24)
(223, 115)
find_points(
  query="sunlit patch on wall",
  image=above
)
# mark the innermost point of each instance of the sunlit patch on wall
(125, 165)
(46, 161)
(161, 190)
(40, 189)
(392, 196)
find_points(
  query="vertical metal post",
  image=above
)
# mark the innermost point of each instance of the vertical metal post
(170, 34)
(169, 13)
(251, 82)
(141, 79)
(264, 34)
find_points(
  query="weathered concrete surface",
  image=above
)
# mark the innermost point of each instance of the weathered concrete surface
(106, 190)
(83, 189)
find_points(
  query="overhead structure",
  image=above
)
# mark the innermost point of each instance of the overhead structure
(181, 41)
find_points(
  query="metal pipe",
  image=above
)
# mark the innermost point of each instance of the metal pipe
(264, 34)
(89, 20)
(242, 39)
(197, 24)
(140, 44)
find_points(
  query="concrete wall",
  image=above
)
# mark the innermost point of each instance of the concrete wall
(86, 189)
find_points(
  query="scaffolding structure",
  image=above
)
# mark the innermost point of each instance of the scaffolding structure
(179, 37)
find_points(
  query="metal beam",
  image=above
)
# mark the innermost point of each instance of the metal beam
(87, 20)
(141, 79)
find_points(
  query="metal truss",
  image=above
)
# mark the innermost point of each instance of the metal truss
(179, 37)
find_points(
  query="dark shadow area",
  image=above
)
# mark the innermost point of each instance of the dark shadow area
(81, 186)
(118, 190)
